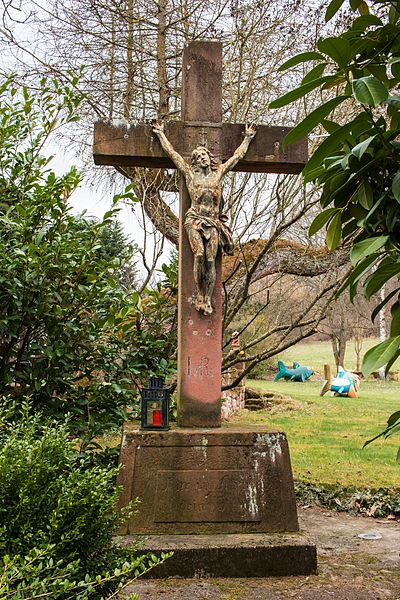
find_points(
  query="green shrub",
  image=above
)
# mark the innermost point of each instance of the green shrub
(57, 517)
(72, 336)
(36, 576)
(382, 502)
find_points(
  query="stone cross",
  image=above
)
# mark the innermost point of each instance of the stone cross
(199, 335)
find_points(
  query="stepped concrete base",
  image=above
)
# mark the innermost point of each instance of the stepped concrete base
(227, 480)
(236, 555)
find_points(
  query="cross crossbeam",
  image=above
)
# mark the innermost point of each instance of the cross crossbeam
(136, 146)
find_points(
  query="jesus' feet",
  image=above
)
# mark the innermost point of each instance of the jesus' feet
(207, 308)
(203, 304)
(199, 303)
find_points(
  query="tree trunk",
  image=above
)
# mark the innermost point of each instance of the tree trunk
(339, 341)
(382, 329)
(129, 89)
(358, 344)
(163, 103)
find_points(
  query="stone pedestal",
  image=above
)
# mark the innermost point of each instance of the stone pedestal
(229, 480)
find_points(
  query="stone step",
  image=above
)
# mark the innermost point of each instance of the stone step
(258, 404)
(231, 555)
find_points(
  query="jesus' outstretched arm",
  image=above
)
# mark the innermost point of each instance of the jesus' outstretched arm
(249, 133)
(180, 163)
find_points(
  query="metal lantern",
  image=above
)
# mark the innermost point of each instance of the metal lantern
(155, 405)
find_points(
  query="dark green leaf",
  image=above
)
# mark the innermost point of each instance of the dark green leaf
(330, 126)
(316, 72)
(383, 273)
(315, 174)
(361, 126)
(394, 417)
(393, 101)
(333, 233)
(392, 216)
(299, 58)
(391, 362)
(378, 71)
(364, 195)
(362, 147)
(365, 21)
(378, 308)
(337, 48)
(312, 120)
(369, 90)
(363, 8)
(395, 323)
(375, 206)
(357, 273)
(337, 181)
(328, 146)
(393, 17)
(367, 247)
(394, 115)
(379, 355)
(349, 229)
(333, 7)
(300, 91)
(396, 186)
(321, 219)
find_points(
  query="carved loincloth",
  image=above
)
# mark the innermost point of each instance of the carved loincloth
(204, 224)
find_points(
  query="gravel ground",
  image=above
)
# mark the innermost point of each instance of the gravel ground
(349, 568)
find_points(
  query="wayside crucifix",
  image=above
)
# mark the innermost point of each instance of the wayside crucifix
(191, 145)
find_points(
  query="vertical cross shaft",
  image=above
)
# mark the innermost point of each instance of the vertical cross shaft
(199, 336)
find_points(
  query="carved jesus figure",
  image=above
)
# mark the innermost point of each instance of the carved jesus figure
(205, 224)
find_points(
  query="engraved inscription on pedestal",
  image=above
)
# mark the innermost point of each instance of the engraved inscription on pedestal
(209, 504)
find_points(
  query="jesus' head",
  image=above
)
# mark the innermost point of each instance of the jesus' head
(203, 158)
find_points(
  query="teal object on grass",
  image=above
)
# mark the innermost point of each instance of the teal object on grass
(345, 384)
(297, 373)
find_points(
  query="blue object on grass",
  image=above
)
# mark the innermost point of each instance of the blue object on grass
(344, 384)
(297, 373)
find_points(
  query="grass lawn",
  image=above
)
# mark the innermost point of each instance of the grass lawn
(326, 435)
(316, 354)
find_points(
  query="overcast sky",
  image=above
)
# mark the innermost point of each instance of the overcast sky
(94, 198)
